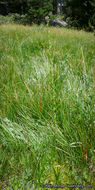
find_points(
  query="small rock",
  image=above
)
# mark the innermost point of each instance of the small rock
(57, 22)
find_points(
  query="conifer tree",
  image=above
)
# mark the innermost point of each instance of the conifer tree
(81, 12)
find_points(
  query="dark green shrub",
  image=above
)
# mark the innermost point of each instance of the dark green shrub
(6, 19)
(20, 19)
(14, 18)
(39, 10)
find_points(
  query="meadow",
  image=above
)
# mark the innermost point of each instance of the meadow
(47, 107)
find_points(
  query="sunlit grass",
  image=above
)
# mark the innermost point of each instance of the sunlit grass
(47, 106)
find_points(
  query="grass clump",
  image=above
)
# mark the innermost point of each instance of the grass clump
(47, 107)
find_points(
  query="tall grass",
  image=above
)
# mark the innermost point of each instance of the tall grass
(47, 107)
